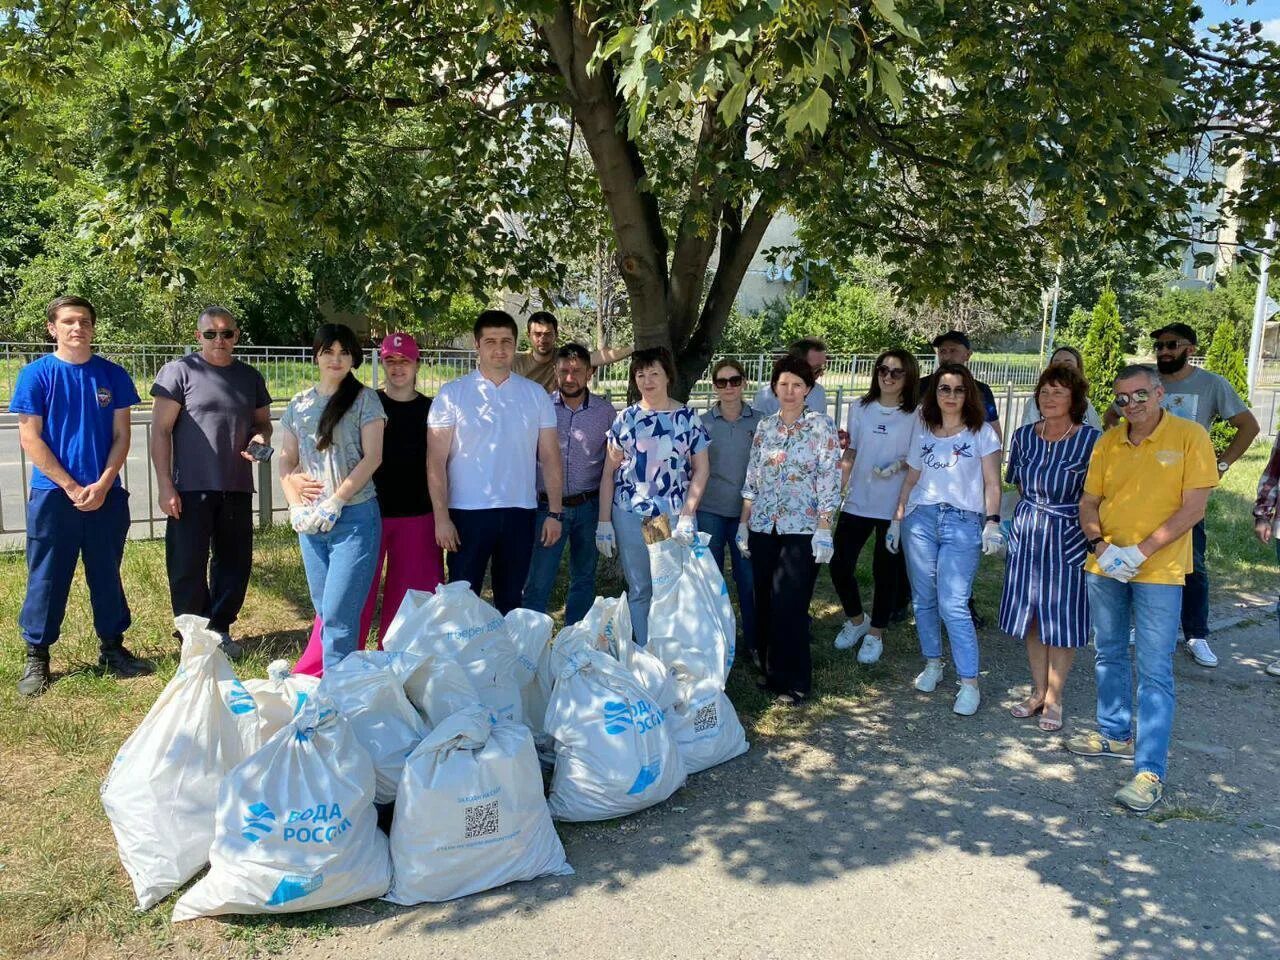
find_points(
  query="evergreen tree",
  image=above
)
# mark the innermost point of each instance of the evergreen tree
(1226, 358)
(1103, 349)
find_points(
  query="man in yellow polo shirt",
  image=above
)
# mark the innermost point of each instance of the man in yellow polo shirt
(1148, 482)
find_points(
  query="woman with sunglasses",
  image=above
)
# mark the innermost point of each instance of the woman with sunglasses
(1069, 357)
(656, 466)
(1044, 601)
(949, 507)
(880, 428)
(731, 424)
(333, 432)
(789, 499)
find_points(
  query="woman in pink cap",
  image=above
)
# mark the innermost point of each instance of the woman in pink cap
(409, 551)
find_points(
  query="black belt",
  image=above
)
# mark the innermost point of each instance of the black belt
(577, 500)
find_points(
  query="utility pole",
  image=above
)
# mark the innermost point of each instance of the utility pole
(1259, 312)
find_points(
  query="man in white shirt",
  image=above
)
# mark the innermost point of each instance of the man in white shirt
(814, 352)
(487, 433)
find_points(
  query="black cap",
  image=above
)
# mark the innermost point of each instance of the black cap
(1178, 330)
(955, 336)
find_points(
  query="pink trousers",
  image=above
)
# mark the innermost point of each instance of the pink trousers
(413, 562)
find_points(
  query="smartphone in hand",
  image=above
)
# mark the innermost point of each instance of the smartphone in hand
(260, 451)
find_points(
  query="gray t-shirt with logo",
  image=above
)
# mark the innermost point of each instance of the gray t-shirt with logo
(215, 422)
(1203, 397)
(332, 465)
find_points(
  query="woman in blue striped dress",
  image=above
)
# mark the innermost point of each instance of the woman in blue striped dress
(1044, 601)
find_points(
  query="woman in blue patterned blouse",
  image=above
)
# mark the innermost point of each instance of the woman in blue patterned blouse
(656, 466)
(791, 493)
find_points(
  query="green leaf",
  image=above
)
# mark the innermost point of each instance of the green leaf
(813, 112)
(734, 100)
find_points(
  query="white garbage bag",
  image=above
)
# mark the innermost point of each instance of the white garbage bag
(162, 789)
(530, 633)
(438, 688)
(615, 752)
(384, 720)
(691, 625)
(279, 696)
(705, 725)
(470, 814)
(455, 623)
(295, 827)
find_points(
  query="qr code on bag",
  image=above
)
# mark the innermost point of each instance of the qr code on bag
(706, 718)
(482, 820)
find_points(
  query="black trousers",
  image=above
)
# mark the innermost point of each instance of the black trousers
(785, 573)
(208, 551)
(888, 570)
(503, 535)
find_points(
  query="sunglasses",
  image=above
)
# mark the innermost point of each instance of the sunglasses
(946, 390)
(219, 334)
(893, 373)
(734, 381)
(1168, 344)
(1137, 396)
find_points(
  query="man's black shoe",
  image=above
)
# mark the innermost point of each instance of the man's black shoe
(35, 675)
(119, 662)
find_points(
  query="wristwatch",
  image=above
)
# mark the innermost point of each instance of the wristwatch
(1093, 544)
(1223, 466)
(993, 518)
(557, 516)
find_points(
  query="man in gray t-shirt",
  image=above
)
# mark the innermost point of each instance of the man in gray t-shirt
(1195, 394)
(208, 408)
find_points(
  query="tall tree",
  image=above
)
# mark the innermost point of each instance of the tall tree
(956, 141)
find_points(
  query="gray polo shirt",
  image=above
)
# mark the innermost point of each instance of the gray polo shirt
(729, 451)
(1203, 397)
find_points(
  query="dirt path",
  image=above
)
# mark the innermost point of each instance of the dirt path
(899, 830)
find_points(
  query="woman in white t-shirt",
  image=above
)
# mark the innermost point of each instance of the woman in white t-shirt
(880, 426)
(949, 507)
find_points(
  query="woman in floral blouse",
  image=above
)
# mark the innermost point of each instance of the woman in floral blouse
(791, 493)
(656, 466)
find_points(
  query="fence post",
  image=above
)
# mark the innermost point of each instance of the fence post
(1008, 414)
(264, 494)
(374, 365)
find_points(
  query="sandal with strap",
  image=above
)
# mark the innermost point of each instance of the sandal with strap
(1051, 718)
(1027, 708)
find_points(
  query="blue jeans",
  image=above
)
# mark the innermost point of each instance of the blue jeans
(633, 554)
(1195, 593)
(1154, 609)
(943, 545)
(340, 567)
(722, 531)
(579, 531)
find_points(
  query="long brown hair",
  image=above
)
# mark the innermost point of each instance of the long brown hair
(910, 380)
(972, 413)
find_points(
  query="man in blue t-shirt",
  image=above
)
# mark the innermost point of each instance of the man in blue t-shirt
(73, 422)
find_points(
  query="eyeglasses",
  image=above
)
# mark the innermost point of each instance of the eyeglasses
(723, 382)
(946, 390)
(1169, 344)
(219, 334)
(893, 373)
(1137, 396)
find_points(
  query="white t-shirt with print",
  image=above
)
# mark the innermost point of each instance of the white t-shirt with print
(950, 467)
(878, 435)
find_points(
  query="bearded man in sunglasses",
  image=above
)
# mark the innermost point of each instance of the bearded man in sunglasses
(211, 415)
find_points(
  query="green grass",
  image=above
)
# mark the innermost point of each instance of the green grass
(62, 890)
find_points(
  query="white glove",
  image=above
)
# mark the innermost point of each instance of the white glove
(889, 469)
(1134, 557)
(992, 539)
(1114, 562)
(302, 519)
(822, 546)
(743, 540)
(604, 538)
(685, 531)
(327, 513)
(893, 536)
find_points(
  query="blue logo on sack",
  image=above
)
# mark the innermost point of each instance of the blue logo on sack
(302, 698)
(617, 717)
(293, 886)
(257, 822)
(646, 778)
(240, 700)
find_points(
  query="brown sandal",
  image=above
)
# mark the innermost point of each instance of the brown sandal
(1027, 708)
(1051, 718)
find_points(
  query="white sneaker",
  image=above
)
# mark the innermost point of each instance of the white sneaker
(1272, 669)
(871, 649)
(1200, 652)
(928, 678)
(851, 633)
(967, 700)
